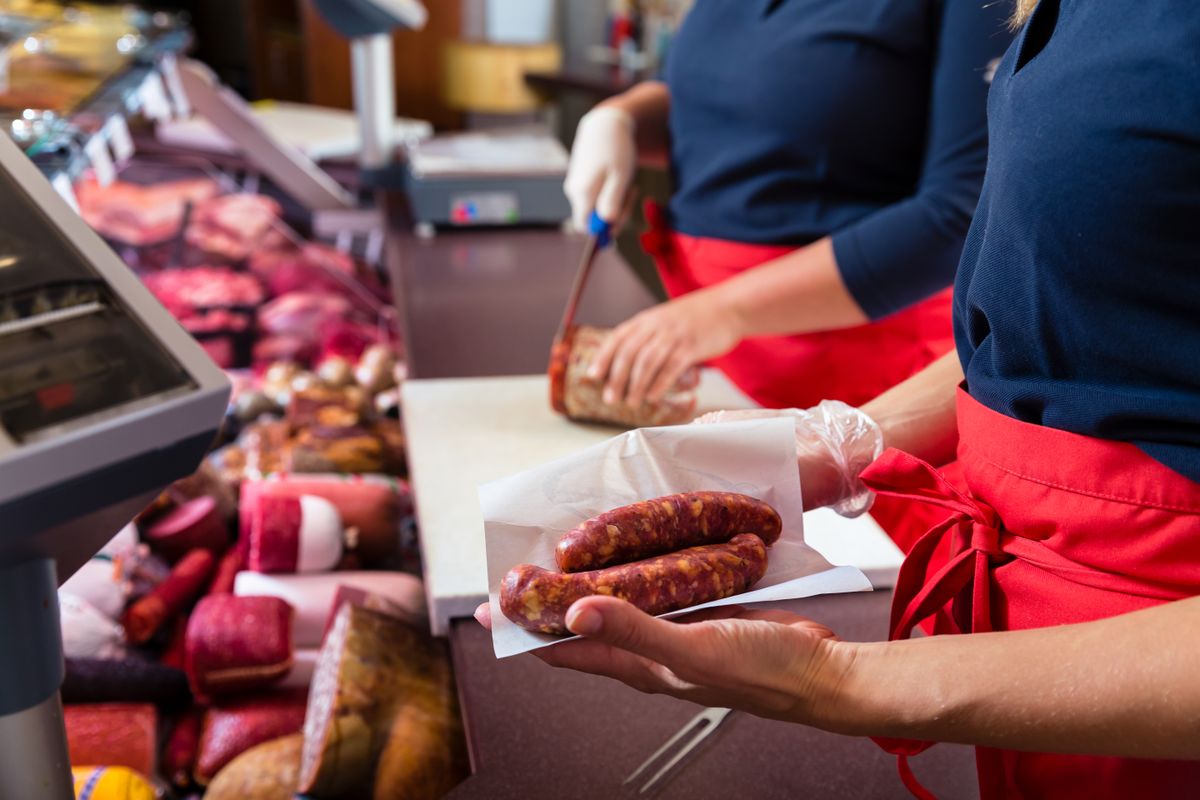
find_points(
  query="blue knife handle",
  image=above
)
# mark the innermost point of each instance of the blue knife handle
(601, 230)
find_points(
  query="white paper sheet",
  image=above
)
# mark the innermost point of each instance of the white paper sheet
(526, 514)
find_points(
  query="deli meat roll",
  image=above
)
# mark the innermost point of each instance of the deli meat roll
(575, 395)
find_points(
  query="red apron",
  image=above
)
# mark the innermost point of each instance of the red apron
(1055, 528)
(852, 365)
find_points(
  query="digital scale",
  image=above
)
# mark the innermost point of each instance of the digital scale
(488, 178)
(104, 400)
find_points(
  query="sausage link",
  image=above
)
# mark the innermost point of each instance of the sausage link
(663, 525)
(537, 599)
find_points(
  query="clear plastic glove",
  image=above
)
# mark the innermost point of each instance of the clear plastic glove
(602, 167)
(834, 443)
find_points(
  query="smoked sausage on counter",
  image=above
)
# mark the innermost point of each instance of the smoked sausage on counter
(663, 525)
(537, 599)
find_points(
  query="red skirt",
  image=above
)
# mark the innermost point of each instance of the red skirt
(852, 364)
(1055, 528)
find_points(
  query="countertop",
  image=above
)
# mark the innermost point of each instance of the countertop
(537, 732)
(464, 432)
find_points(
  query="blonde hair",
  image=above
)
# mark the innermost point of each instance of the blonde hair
(1024, 9)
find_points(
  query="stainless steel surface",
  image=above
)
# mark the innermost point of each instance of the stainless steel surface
(699, 727)
(33, 754)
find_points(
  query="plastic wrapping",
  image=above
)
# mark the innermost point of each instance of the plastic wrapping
(831, 431)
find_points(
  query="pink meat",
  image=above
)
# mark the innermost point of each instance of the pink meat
(234, 226)
(204, 288)
(140, 215)
(302, 313)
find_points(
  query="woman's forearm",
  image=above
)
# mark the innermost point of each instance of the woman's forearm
(649, 104)
(800, 292)
(918, 416)
(1124, 686)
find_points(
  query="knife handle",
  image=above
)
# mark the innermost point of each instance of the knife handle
(600, 229)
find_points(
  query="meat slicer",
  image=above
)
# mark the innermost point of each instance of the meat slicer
(104, 399)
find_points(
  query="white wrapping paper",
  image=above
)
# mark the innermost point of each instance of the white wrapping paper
(526, 514)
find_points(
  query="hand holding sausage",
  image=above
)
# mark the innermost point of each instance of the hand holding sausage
(771, 663)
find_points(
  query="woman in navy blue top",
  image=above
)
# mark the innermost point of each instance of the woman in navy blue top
(827, 157)
(1077, 317)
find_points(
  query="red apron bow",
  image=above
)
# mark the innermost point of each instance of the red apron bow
(977, 543)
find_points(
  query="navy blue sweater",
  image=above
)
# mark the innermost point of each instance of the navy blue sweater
(795, 119)
(1077, 304)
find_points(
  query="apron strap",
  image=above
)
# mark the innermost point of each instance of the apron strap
(976, 531)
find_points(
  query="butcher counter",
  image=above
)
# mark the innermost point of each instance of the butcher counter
(478, 310)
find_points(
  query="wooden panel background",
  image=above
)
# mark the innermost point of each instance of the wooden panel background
(418, 57)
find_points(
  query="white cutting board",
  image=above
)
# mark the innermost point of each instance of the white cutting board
(464, 432)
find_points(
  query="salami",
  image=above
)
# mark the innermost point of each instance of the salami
(234, 727)
(663, 525)
(575, 395)
(537, 599)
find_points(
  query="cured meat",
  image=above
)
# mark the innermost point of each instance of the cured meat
(314, 597)
(186, 290)
(311, 267)
(351, 449)
(99, 583)
(113, 734)
(424, 756)
(169, 599)
(179, 755)
(302, 313)
(87, 632)
(575, 395)
(232, 728)
(371, 666)
(537, 599)
(294, 534)
(662, 525)
(372, 505)
(128, 680)
(233, 226)
(132, 214)
(269, 771)
(304, 664)
(238, 643)
(197, 524)
(226, 574)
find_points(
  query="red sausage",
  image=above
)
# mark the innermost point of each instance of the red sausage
(663, 525)
(537, 599)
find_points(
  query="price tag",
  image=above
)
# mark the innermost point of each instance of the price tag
(155, 104)
(101, 160)
(170, 70)
(62, 185)
(117, 131)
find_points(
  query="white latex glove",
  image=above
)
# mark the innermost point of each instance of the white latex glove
(832, 434)
(602, 167)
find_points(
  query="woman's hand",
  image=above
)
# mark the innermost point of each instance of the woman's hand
(769, 663)
(643, 358)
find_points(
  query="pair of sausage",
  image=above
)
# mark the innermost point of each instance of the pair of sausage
(634, 553)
